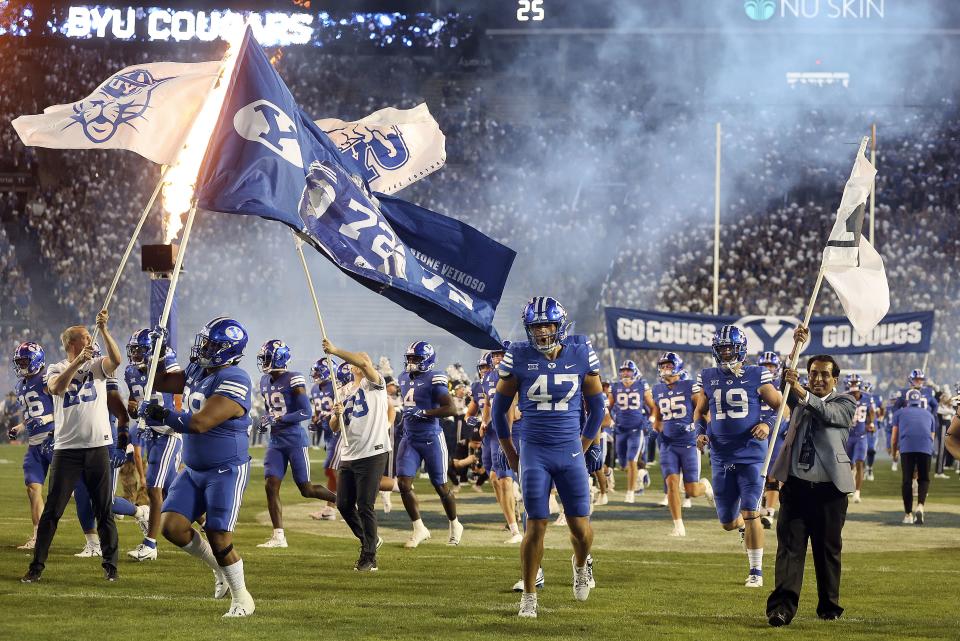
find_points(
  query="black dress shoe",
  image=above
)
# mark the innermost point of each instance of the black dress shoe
(829, 616)
(32, 576)
(777, 619)
(110, 573)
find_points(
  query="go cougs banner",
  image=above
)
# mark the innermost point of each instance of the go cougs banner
(638, 329)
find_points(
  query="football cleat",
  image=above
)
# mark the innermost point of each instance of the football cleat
(856, 496)
(540, 582)
(628, 497)
(708, 491)
(89, 551)
(528, 606)
(754, 579)
(581, 580)
(242, 606)
(143, 552)
(274, 542)
(918, 515)
(514, 538)
(686, 502)
(593, 582)
(603, 498)
(678, 530)
(766, 521)
(417, 537)
(456, 531)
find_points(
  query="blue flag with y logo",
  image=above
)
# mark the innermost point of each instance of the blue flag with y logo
(267, 158)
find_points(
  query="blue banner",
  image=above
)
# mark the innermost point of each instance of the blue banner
(680, 332)
(267, 158)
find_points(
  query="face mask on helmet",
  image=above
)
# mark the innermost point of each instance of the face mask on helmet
(544, 336)
(730, 348)
(28, 359)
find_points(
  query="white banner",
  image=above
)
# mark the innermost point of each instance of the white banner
(145, 108)
(390, 148)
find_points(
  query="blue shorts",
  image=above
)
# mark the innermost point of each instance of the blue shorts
(276, 459)
(35, 465)
(560, 464)
(629, 447)
(136, 438)
(888, 434)
(431, 450)
(737, 488)
(504, 471)
(332, 446)
(163, 460)
(777, 446)
(217, 492)
(857, 448)
(871, 441)
(490, 447)
(681, 459)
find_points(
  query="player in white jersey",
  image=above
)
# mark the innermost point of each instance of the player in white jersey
(364, 418)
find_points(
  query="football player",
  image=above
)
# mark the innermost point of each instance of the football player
(862, 424)
(321, 397)
(633, 402)
(673, 421)
(917, 381)
(36, 406)
(732, 392)
(287, 405)
(890, 408)
(164, 447)
(426, 399)
(215, 423)
(771, 493)
(876, 403)
(551, 373)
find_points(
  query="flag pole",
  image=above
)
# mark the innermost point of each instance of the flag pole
(873, 201)
(168, 303)
(298, 242)
(716, 230)
(131, 244)
(795, 352)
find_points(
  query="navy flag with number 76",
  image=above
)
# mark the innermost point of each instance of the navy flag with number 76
(267, 158)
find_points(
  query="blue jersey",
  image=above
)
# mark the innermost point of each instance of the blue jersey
(321, 398)
(37, 406)
(227, 443)
(929, 399)
(136, 381)
(915, 429)
(478, 396)
(734, 411)
(550, 392)
(278, 399)
(630, 406)
(675, 403)
(859, 427)
(423, 391)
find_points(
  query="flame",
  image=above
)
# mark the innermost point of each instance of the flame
(276, 57)
(181, 176)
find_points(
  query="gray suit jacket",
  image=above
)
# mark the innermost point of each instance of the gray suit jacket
(831, 420)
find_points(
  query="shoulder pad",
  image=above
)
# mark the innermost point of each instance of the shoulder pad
(439, 379)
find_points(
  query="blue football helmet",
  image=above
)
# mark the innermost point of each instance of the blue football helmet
(733, 341)
(28, 359)
(220, 342)
(544, 310)
(344, 374)
(914, 398)
(684, 375)
(420, 357)
(273, 356)
(321, 370)
(917, 373)
(483, 362)
(140, 348)
(767, 359)
(670, 358)
(631, 367)
(867, 386)
(854, 383)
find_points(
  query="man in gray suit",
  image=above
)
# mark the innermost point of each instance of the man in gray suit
(813, 499)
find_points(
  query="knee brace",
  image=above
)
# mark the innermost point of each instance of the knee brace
(220, 555)
(750, 518)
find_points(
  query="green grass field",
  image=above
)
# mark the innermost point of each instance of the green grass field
(899, 582)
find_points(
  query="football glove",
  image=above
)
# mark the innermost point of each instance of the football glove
(266, 422)
(46, 448)
(594, 458)
(117, 457)
(415, 413)
(472, 421)
(12, 433)
(151, 413)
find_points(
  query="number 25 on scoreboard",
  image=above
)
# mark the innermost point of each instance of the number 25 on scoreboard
(529, 10)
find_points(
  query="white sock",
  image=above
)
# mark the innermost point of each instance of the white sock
(35, 531)
(396, 486)
(233, 574)
(200, 548)
(514, 529)
(418, 525)
(756, 559)
(678, 524)
(278, 532)
(93, 539)
(453, 520)
(771, 511)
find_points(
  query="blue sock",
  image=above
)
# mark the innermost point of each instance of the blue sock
(150, 543)
(123, 506)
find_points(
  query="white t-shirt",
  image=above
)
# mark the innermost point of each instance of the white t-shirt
(80, 414)
(368, 432)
